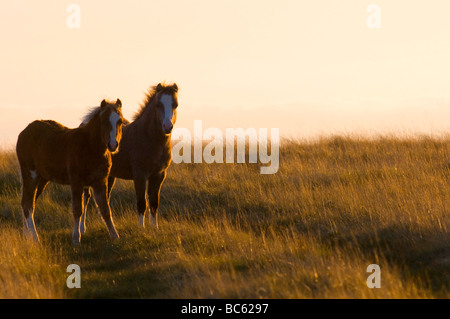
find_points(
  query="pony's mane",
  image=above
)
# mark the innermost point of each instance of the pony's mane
(151, 93)
(90, 114)
(93, 111)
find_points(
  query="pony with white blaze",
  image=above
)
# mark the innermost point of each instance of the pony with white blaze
(145, 150)
(48, 151)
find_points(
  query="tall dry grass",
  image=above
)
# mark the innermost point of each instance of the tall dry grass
(335, 206)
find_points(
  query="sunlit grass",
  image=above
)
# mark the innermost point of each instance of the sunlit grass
(334, 207)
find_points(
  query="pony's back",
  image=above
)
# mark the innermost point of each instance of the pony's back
(39, 140)
(41, 130)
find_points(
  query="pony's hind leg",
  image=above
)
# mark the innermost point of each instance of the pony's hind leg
(77, 208)
(29, 188)
(86, 197)
(100, 195)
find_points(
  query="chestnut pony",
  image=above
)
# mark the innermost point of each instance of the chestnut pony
(80, 157)
(145, 150)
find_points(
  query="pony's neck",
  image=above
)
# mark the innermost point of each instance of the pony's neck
(152, 126)
(93, 129)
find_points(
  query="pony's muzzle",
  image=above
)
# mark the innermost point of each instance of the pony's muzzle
(112, 146)
(167, 127)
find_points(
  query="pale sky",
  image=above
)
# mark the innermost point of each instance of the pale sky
(306, 67)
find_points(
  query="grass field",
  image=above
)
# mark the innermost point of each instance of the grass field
(335, 206)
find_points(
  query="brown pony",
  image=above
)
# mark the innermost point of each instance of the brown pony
(145, 151)
(80, 157)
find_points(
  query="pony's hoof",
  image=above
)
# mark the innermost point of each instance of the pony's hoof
(153, 221)
(34, 238)
(114, 236)
(142, 220)
(76, 241)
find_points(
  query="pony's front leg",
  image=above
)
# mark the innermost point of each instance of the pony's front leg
(111, 181)
(154, 187)
(100, 194)
(29, 186)
(141, 203)
(77, 208)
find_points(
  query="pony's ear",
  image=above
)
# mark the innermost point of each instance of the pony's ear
(175, 87)
(119, 103)
(103, 104)
(158, 87)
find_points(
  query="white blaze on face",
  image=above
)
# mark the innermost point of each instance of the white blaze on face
(113, 119)
(167, 102)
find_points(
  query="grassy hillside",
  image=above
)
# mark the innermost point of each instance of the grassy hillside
(309, 231)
